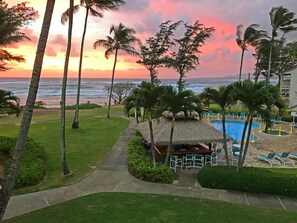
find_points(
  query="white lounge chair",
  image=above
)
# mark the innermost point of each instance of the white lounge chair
(284, 158)
(293, 155)
(270, 158)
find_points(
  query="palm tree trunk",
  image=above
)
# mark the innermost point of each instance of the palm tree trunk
(170, 141)
(257, 71)
(63, 95)
(7, 189)
(225, 138)
(111, 86)
(269, 61)
(152, 139)
(241, 62)
(75, 123)
(247, 139)
(242, 142)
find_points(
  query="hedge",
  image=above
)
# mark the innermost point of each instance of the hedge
(83, 106)
(33, 164)
(141, 165)
(250, 179)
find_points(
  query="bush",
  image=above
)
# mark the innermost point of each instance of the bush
(250, 179)
(33, 165)
(141, 166)
(83, 106)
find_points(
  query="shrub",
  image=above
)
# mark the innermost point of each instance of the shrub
(83, 106)
(33, 165)
(141, 166)
(250, 179)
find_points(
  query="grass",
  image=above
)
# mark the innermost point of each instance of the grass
(126, 207)
(86, 147)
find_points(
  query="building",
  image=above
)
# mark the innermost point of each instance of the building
(289, 87)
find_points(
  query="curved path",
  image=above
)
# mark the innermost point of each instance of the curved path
(113, 176)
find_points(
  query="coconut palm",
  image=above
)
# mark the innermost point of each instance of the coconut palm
(178, 101)
(94, 8)
(9, 101)
(224, 98)
(123, 39)
(251, 36)
(254, 97)
(281, 19)
(65, 168)
(28, 111)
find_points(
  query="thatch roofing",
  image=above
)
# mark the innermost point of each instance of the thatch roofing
(189, 132)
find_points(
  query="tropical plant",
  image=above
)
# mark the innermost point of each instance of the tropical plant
(188, 49)
(94, 8)
(65, 168)
(9, 101)
(251, 36)
(153, 55)
(6, 191)
(281, 19)
(123, 39)
(224, 98)
(133, 101)
(259, 98)
(12, 20)
(179, 101)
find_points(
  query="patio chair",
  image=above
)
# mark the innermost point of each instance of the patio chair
(235, 115)
(189, 161)
(211, 159)
(175, 162)
(211, 114)
(242, 115)
(258, 117)
(284, 158)
(293, 155)
(198, 161)
(235, 151)
(270, 158)
(278, 119)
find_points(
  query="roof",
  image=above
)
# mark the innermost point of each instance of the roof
(189, 132)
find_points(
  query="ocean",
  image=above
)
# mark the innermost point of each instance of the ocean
(92, 89)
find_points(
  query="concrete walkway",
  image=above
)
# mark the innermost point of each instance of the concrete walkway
(113, 176)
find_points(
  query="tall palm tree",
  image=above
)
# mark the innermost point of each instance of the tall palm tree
(251, 36)
(123, 39)
(178, 101)
(281, 19)
(9, 101)
(254, 97)
(224, 98)
(93, 8)
(28, 111)
(65, 168)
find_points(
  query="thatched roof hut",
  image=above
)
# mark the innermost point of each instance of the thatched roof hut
(189, 132)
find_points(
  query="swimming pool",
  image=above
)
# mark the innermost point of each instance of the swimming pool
(233, 128)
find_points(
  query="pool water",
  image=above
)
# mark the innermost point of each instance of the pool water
(233, 128)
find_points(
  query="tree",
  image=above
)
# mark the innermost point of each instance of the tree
(187, 56)
(65, 168)
(254, 97)
(94, 8)
(133, 101)
(224, 98)
(251, 36)
(121, 91)
(28, 111)
(9, 101)
(153, 55)
(12, 20)
(281, 19)
(123, 39)
(175, 102)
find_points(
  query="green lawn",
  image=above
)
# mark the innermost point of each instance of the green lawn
(86, 147)
(125, 207)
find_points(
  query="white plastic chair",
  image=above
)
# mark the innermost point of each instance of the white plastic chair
(212, 159)
(175, 162)
(189, 161)
(198, 161)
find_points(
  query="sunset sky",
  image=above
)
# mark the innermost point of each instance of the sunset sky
(220, 55)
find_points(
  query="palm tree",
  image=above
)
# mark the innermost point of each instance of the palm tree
(280, 19)
(94, 8)
(9, 101)
(178, 101)
(28, 111)
(123, 39)
(254, 97)
(251, 36)
(224, 98)
(65, 168)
